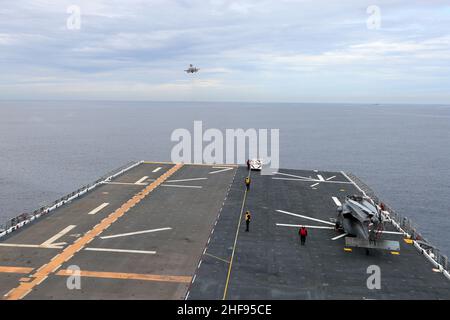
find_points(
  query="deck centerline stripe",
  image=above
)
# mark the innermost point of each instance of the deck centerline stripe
(99, 208)
(234, 245)
(24, 288)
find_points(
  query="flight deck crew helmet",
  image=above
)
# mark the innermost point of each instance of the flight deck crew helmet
(247, 216)
(247, 180)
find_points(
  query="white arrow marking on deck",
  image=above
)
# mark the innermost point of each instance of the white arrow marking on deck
(336, 201)
(223, 169)
(183, 180)
(100, 207)
(339, 236)
(320, 177)
(302, 225)
(134, 233)
(49, 243)
(157, 169)
(120, 250)
(305, 217)
(140, 181)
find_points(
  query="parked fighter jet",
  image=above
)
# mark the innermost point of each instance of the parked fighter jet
(191, 69)
(361, 223)
(358, 217)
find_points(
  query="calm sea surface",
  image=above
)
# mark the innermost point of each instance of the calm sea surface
(48, 149)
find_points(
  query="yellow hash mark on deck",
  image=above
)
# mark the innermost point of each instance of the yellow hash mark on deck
(5, 269)
(408, 241)
(43, 272)
(396, 253)
(348, 249)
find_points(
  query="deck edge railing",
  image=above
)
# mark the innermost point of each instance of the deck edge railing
(406, 226)
(23, 219)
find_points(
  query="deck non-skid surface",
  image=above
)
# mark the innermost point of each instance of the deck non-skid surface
(270, 263)
(126, 244)
(162, 231)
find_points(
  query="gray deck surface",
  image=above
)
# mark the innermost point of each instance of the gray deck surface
(201, 205)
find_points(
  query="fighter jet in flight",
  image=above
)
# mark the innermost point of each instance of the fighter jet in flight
(192, 69)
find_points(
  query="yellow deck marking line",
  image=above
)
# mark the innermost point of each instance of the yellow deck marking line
(24, 288)
(348, 249)
(5, 269)
(408, 241)
(395, 253)
(234, 245)
(128, 276)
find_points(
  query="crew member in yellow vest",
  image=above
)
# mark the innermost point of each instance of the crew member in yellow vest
(248, 217)
(247, 182)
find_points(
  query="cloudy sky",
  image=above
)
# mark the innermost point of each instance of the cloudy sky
(255, 50)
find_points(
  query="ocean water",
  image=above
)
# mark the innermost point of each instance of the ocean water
(48, 149)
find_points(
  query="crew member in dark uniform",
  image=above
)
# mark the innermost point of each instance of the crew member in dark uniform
(248, 217)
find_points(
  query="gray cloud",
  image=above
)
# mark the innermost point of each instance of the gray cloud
(289, 50)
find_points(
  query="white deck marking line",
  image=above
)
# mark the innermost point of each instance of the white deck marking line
(305, 217)
(134, 233)
(336, 201)
(50, 242)
(185, 180)
(302, 225)
(119, 250)
(331, 178)
(99, 208)
(223, 169)
(157, 169)
(141, 180)
(391, 232)
(294, 176)
(315, 184)
(340, 236)
(320, 177)
(311, 180)
(127, 183)
(181, 186)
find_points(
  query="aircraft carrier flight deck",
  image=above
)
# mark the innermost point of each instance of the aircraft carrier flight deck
(173, 231)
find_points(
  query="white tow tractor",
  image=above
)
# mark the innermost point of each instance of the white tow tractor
(256, 164)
